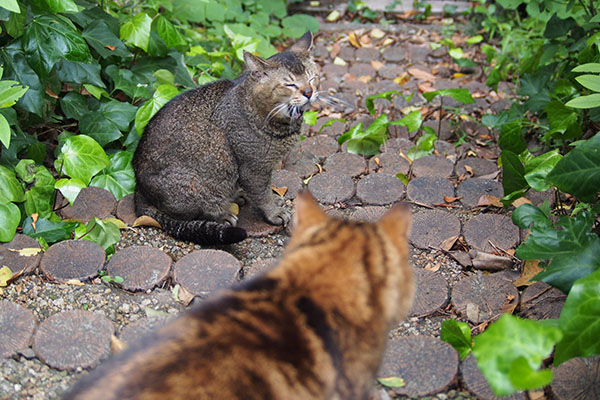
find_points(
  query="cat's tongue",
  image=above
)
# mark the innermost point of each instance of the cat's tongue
(296, 113)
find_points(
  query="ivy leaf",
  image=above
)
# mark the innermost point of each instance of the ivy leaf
(118, 177)
(528, 214)
(10, 92)
(412, 121)
(69, 188)
(580, 320)
(296, 25)
(460, 95)
(104, 233)
(136, 31)
(168, 32)
(49, 38)
(538, 168)
(563, 120)
(132, 84)
(10, 188)
(50, 231)
(497, 354)
(101, 38)
(10, 216)
(97, 126)
(39, 197)
(83, 158)
(513, 172)
(511, 137)
(458, 335)
(62, 6)
(310, 117)
(385, 95)
(423, 147)
(74, 105)
(4, 131)
(78, 72)
(578, 172)
(161, 96)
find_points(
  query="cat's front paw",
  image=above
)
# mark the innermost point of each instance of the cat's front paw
(228, 219)
(277, 216)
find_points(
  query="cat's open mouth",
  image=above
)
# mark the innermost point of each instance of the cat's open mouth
(296, 111)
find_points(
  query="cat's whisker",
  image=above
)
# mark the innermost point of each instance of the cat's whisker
(274, 111)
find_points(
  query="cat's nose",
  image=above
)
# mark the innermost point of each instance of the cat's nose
(307, 93)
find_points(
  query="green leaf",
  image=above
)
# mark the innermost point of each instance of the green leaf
(296, 25)
(5, 275)
(101, 38)
(136, 31)
(458, 335)
(392, 382)
(74, 105)
(461, 95)
(589, 67)
(97, 126)
(524, 377)
(50, 231)
(589, 101)
(511, 137)
(39, 198)
(161, 96)
(385, 95)
(527, 214)
(79, 73)
(310, 117)
(49, 38)
(513, 172)
(118, 177)
(578, 173)
(403, 178)
(558, 27)
(10, 92)
(512, 342)
(62, 6)
(83, 158)
(104, 233)
(96, 91)
(168, 32)
(133, 84)
(10, 5)
(412, 121)
(4, 131)
(69, 188)
(10, 215)
(538, 168)
(580, 320)
(588, 81)
(560, 117)
(424, 146)
(16, 67)
(10, 188)
(572, 249)
(15, 26)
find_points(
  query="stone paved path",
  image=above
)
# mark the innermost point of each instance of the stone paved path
(462, 242)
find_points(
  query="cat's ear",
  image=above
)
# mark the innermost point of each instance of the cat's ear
(308, 213)
(397, 222)
(255, 63)
(304, 44)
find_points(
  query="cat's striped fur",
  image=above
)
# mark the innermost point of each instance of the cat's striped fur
(314, 327)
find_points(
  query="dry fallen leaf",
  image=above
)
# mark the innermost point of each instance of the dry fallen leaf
(520, 201)
(377, 64)
(422, 75)
(530, 269)
(111, 48)
(489, 200)
(335, 50)
(145, 220)
(433, 268)
(402, 79)
(75, 282)
(50, 93)
(119, 223)
(377, 33)
(469, 170)
(185, 296)
(281, 191)
(339, 61)
(448, 243)
(34, 218)
(5, 275)
(451, 199)
(27, 252)
(365, 78)
(354, 40)
(425, 87)
(387, 42)
(116, 345)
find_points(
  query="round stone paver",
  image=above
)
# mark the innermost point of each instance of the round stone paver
(126, 209)
(578, 378)
(91, 202)
(72, 259)
(478, 385)
(203, 272)
(390, 163)
(345, 163)
(433, 166)
(431, 295)
(483, 297)
(321, 146)
(380, 189)
(138, 329)
(141, 267)
(541, 301)
(429, 190)
(470, 190)
(394, 54)
(288, 179)
(430, 228)
(478, 166)
(331, 187)
(444, 148)
(398, 145)
(22, 254)
(259, 267)
(367, 214)
(498, 229)
(302, 163)
(426, 364)
(254, 223)
(73, 339)
(17, 324)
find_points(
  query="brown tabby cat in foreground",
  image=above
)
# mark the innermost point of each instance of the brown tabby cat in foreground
(314, 327)
(219, 143)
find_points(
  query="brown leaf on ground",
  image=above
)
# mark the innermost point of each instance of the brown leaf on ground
(354, 40)
(376, 64)
(425, 87)
(422, 75)
(530, 269)
(75, 282)
(184, 296)
(489, 200)
(365, 40)
(469, 170)
(402, 79)
(451, 199)
(365, 78)
(50, 93)
(448, 243)
(377, 33)
(520, 201)
(34, 218)
(335, 50)
(489, 262)
(145, 220)
(433, 268)
(281, 191)
(387, 42)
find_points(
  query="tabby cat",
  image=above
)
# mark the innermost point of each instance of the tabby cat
(314, 327)
(220, 142)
